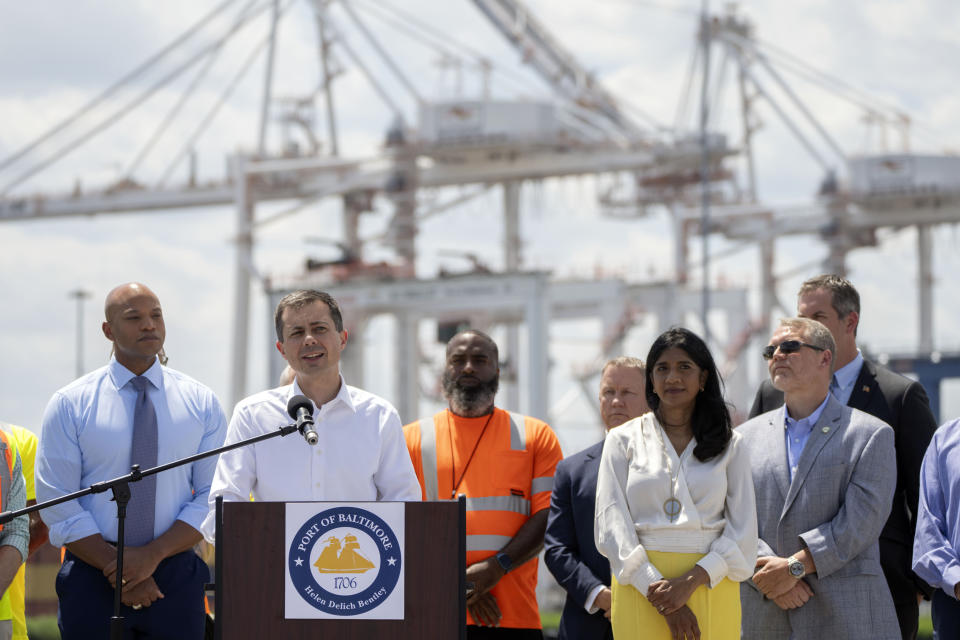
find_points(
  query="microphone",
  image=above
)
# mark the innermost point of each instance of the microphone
(301, 409)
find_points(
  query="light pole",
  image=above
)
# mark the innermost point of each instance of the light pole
(80, 295)
(705, 36)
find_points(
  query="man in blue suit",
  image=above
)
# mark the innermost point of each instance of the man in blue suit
(570, 552)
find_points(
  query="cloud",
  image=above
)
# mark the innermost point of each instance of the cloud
(50, 67)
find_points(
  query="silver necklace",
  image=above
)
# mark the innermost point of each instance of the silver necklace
(671, 506)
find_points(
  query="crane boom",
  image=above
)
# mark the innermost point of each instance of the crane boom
(539, 48)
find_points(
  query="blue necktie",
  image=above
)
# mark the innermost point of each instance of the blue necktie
(143, 451)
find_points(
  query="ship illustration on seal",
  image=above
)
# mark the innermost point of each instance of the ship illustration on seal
(342, 557)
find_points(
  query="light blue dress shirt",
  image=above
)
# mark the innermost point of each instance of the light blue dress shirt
(797, 432)
(845, 377)
(936, 547)
(86, 438)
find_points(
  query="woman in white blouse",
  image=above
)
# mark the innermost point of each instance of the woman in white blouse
(676, 515)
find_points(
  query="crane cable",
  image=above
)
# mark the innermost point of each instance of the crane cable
(109, 91)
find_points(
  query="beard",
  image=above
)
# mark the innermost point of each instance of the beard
(469, 402)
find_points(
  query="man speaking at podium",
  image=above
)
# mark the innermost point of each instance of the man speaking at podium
(132, 411)
(360, 453)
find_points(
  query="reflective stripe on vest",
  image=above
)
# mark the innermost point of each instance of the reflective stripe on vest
(518, 432)
(541, 484)
(484, 542)
(6, 471)
(517, 504)
(428, 457)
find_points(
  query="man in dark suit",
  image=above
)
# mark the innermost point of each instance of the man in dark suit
(570, 552)
(900, 402)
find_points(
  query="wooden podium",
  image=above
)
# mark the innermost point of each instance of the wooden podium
(250, 578)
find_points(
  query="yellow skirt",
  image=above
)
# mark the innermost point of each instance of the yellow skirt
(717, 610)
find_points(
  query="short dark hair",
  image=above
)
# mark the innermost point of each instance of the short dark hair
(482, 336)
(711, 423)
(301, 298)
(843, 295)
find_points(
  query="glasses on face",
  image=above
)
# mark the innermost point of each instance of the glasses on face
(787, 346)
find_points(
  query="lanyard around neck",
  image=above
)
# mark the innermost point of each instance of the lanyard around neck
(453, 464)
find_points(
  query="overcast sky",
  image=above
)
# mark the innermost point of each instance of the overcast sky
(55, 57)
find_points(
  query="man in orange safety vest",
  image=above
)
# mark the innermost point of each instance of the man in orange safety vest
(503, 463)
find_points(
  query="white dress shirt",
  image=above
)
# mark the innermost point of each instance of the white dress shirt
(360, 456)
(591, 604)
(718, 516)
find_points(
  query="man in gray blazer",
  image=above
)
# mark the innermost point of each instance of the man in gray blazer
(900, 402)
(824, 475)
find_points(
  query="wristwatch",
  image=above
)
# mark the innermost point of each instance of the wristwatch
(504, 561)
(796, 568)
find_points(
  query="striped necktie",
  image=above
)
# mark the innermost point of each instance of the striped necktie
(143, 451)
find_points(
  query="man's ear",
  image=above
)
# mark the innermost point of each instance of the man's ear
(107, 330)
(851, 322)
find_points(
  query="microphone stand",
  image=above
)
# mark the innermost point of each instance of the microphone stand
(121, 495)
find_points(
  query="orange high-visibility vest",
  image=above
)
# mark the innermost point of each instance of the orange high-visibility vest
(508, 479)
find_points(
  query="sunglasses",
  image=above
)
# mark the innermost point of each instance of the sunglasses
(787, 346)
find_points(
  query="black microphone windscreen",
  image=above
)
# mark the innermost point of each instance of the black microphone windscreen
(299, 402)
